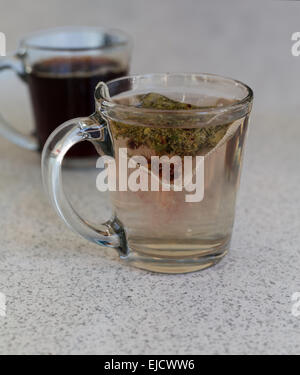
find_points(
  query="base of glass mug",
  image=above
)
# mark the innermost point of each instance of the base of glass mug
(196, 260)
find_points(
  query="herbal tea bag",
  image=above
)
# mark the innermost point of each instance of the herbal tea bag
(168, 134)
(162, 139)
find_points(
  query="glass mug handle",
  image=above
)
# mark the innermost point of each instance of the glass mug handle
(6, 129)
(110, 233)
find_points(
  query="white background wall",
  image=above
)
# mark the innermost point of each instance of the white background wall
(247, 40)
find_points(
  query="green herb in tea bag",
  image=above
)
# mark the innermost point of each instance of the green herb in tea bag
(158, 101)
(181, 140)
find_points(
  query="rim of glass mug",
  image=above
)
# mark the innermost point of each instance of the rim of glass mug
(112, 110)
(111, 38)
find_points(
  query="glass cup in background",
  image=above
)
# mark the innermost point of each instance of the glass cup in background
(62, 67)
(158, 230)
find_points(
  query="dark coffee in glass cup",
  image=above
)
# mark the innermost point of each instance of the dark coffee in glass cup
(62, 67)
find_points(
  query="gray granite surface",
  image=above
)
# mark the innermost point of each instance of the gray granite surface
(65, 295)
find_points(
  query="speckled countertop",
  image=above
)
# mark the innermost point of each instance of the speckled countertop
(68, 296)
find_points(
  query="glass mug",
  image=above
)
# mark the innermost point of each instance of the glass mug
(62, 67)
(158, 230)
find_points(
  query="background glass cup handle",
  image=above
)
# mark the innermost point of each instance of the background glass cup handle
(110, 233)
(14, 62)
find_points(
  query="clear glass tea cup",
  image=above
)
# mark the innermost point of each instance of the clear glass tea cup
(61, 68)
(161, 229)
